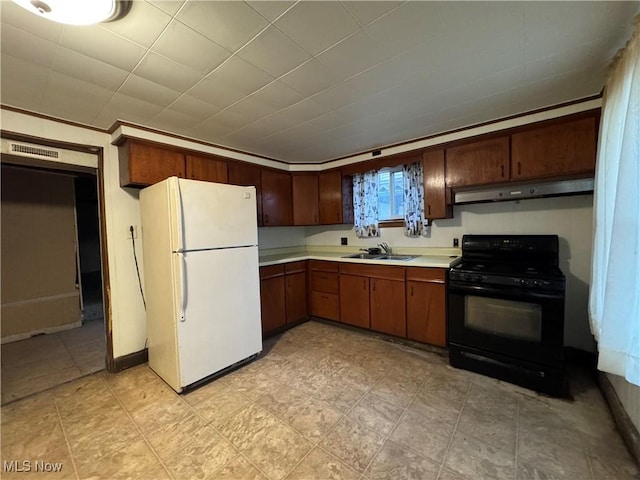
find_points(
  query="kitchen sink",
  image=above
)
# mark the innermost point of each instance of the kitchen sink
(390, 256)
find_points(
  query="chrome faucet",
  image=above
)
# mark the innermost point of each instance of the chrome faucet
(385, 247)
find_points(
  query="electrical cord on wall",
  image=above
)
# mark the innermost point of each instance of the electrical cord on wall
(135, 258)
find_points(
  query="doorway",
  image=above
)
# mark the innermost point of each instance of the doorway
(52, 308)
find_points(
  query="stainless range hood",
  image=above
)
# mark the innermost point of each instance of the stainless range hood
(518, 192)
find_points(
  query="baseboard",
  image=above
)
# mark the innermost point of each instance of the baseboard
(627, 429)
(119, 364)
(41, 331)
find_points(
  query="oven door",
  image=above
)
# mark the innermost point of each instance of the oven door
(510, 321)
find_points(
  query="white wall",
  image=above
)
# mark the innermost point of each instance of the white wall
(568, 217)
(280, 237)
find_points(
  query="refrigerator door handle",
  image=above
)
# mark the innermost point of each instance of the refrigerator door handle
(182, 301)
(180, 219)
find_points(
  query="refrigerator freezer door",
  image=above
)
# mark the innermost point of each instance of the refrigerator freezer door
(222, 323)
(213, 215)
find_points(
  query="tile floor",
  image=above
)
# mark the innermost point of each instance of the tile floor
(39, 363)
(323, 402)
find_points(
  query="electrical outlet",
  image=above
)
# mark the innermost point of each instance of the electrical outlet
(455, 242)
(135, 231)
(343, 241)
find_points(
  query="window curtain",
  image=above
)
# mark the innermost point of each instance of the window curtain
(614, 298)
(415, 224)
(365, 204)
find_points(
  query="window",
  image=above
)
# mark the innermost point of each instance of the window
(390, 194)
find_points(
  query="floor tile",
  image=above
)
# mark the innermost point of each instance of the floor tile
(475, 459)
(376, 413)
(312, 418)
(490, 426)
(220, 406)
(353, 443)
(395, 462)
(279, 399)
(426, 437)
(435, 407)
(242, 427)
(239, 468)
(171, 437)
(54, 465)
(135, 458)
(320, 465)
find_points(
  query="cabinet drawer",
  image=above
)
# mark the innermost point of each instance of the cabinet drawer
(295, 267)
(271, 271)
(323, 266)
(325, 305)
(436, 275)
(389, 272)
(325, 282)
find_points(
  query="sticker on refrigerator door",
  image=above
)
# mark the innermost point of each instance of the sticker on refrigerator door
(247, 195)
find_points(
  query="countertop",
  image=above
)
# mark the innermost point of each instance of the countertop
(428, 260)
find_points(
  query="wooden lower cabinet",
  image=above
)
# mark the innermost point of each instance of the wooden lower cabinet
(325, 289)
(272, 298)
(426, 292)
(387, 306)
(354, 300)
(295, 292)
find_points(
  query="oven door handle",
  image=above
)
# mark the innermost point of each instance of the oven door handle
(505, 292)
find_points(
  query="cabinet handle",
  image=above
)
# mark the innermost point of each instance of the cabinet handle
(324, 296)
(519, 168)
(266, 218)
(374, 285)
(412, 291)
(429, 209)
(323, 277)
(502, 171)
(364, 284)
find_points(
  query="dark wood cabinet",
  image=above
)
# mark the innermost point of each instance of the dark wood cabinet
(325, 289)
(554, 149)
(354, 300)
(335, 194)
(276, 198)
(295, 275)
(387, 305)
(246, 175)
(143, 164)
(208, 169)
(437, 198)
(272, 298)
(478, 163)
(305, 199)
(426, 294)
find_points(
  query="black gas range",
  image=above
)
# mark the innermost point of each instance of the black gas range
(506, 310)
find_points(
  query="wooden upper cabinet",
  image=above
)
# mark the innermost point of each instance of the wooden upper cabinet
(437, 203)
(557, 149)
(276, 198)
(305, 199)
(143, 164)
(478, 163)
(331, 197)
(246, 175)
(209, 169)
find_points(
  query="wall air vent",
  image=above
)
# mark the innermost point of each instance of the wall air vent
(33, 151)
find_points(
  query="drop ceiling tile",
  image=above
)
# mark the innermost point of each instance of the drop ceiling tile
(306, 110)
(310, 78)
(315, 26)
(219, 94)
(334, 119)
(337, 96)
(271, 9)
(187, 47)
(194, 107)
(366, 12)
(23, 44)
(147, 91)
(278, 95)
(229, 24)
(142, 25)
(352, 56)
(12, 14)
(166, 72)
(215, 128)
(250, 109)
(72, 98)
(273, 52)
(102, 45)
(410, 24)
(174, 122)
(124, 107)
(241, 75)
(77, 65)
(22, 84)
(168, 6)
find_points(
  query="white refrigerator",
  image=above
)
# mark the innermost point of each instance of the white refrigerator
(201, 281)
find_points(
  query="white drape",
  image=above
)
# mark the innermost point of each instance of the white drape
(365, 204)
(415, 224)
(614, 301)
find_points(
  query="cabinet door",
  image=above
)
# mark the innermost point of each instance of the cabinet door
(276, 198)
(477, 163)
(272, 303)
(330, 195)
(246, 175)
(143, 164)
(208, 169)
(561, 149)
(387, 300)
(305, 199)
(296, 296)
(354, 300)
(426, 315)
(435, 190)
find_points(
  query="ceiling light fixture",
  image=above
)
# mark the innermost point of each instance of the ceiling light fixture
(77, 12)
